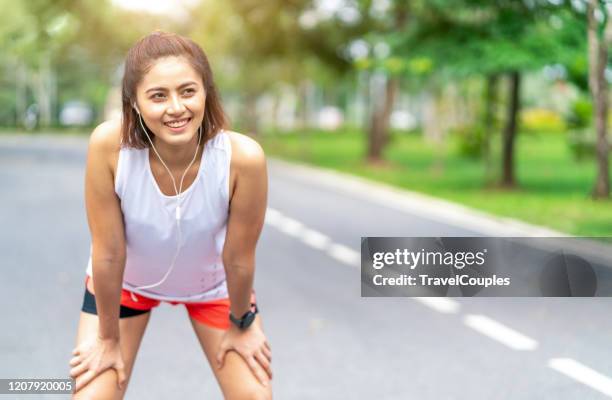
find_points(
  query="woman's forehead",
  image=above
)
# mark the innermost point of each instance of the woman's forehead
(170, 72)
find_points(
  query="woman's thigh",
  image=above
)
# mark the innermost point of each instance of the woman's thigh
(235, 377)
(131, 331)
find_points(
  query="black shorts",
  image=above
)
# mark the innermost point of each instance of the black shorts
(89, 306)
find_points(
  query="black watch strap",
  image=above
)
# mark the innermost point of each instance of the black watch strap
(247, 319)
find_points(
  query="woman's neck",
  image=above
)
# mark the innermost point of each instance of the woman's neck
(178, 157)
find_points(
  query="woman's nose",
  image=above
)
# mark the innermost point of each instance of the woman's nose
(176, 106)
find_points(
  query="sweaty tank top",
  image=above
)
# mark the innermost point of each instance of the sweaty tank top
(151, 229)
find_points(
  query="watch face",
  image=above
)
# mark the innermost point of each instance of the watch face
(248, 320)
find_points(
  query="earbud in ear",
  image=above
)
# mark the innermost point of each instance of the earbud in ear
(136, 108)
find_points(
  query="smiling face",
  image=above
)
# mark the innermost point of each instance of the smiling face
(171, 99)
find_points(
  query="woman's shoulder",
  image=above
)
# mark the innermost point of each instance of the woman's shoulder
(106, 139)
(107, 135)
(246, 152)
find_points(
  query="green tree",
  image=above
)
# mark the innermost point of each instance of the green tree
(494, 38)
(259, 42)
(32, 32)
(600, 39)
(64, 50)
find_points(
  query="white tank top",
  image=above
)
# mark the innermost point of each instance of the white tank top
(151, 231)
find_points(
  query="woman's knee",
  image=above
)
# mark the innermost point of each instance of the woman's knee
(238, 382)
(102, 387)
(259, 392)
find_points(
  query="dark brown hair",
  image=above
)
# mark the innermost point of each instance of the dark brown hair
(140, 59)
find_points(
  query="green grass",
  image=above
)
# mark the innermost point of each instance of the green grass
(553, 189)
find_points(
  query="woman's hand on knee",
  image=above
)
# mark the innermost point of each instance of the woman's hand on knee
(252, 346)
(95, 356)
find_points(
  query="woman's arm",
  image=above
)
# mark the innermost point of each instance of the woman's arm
(106, 226)
(247, 210)
(94, 355)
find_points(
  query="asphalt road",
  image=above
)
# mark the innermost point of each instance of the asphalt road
(328, 342)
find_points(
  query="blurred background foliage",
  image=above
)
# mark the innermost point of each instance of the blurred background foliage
(480, 83)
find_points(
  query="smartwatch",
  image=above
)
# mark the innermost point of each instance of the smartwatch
(247, 319)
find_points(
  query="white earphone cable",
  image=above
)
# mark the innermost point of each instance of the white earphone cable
(178, 203)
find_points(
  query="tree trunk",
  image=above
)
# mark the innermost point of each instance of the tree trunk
(275, 110)
(44, 91)
(249, 113)
(508, 178)
(489, 120)
(432, 109)
(21, 101)
(379, 128)
(302, 106)
(378, 134)
(598, 56)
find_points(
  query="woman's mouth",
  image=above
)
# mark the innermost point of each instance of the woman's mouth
(177, 125)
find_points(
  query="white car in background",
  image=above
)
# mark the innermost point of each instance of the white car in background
(76, 113)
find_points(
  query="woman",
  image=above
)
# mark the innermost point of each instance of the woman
(176, 224)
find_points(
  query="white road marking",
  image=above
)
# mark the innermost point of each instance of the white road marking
(497, 331)
(315, 239)
(440, 304)
(273, 217)
(344, 254)
(291, 227)
(582, 374)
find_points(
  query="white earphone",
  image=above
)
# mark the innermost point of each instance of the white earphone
(178, 197)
